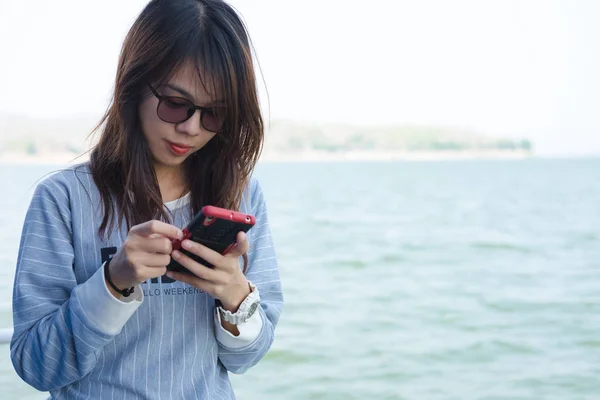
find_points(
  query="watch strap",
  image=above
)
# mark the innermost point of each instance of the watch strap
(243, 313)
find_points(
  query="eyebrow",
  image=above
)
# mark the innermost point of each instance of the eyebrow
(190, 97)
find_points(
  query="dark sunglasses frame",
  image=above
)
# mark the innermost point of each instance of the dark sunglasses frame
(191, 108)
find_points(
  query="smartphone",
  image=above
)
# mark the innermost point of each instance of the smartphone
(215, 228)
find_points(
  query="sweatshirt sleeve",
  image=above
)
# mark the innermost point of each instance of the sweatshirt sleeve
(59, 326)
(263, 271)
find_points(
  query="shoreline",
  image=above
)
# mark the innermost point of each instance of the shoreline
(42, 159)
(12, 159)
(374, 156)
(312, 156)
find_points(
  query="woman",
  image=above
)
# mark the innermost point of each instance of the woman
(96, 315)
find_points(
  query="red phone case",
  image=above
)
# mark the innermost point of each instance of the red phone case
(214, 227)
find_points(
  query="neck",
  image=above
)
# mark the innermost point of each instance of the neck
(171, 182)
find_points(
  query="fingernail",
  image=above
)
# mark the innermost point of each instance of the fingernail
(176, 254)
(169, 274)
(186, 244)
(180, 234)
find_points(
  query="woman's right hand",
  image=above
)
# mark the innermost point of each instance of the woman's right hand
(144, 255)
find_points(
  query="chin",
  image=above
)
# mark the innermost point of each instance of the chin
(170, 161)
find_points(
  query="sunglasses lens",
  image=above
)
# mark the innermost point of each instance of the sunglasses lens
(174, 109)
(210, 121)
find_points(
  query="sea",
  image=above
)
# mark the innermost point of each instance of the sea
(421, 280)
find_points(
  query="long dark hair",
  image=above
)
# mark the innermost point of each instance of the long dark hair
(165, 35)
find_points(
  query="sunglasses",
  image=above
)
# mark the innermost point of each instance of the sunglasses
(175, 110)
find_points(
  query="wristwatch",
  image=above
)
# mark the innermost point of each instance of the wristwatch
(246, 309)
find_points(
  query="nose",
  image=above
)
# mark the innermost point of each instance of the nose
(190, 126)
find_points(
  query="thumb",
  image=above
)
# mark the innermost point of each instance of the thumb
(241, 246)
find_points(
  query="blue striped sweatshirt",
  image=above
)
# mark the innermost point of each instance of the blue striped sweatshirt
(77, 341)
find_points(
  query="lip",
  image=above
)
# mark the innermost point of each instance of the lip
(178, 149)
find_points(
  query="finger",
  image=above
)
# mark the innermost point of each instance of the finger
(202, 251)
(153, 227)
(194, 281)
(241, 246)
(152, 260)
(201, 271)
(160, 245)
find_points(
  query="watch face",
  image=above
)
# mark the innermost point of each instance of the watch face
(252, 308)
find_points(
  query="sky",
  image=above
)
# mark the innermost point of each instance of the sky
(517, 68)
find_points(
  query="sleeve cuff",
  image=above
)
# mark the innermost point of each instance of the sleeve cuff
(249, 331)
(108, 313)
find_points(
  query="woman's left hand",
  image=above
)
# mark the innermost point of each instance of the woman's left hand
(225, 281)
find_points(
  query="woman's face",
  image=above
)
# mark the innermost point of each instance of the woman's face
(171, 144)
